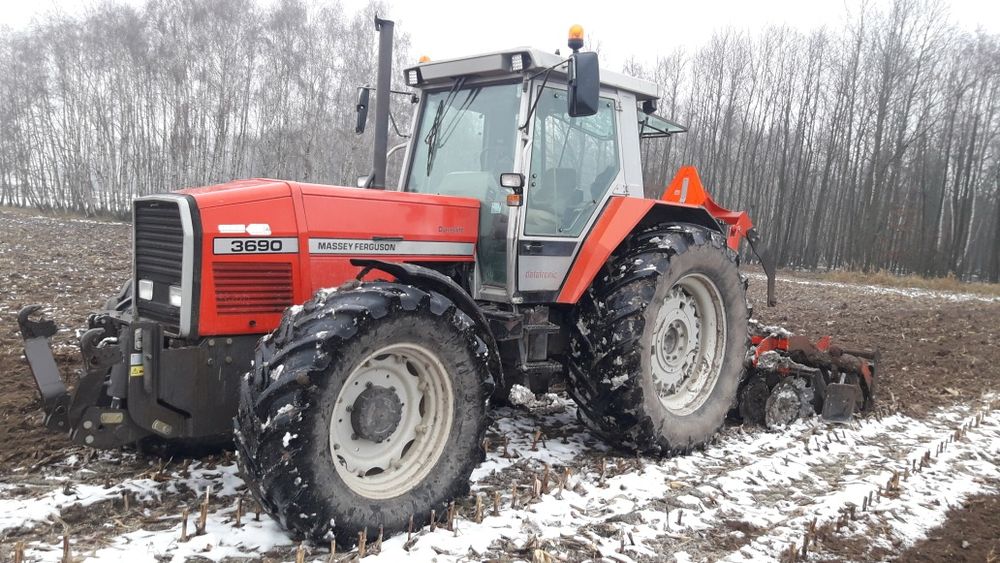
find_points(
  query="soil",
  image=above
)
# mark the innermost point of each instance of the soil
(937, 350)
(71, 266)
(972, 533)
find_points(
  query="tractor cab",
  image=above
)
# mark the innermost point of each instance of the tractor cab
(543, 142)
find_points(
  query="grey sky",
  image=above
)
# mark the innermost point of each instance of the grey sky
(450, 28)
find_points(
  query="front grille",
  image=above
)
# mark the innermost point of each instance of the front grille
(252, 287)
(159, 257)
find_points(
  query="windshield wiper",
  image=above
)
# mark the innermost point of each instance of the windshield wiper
(435, 131)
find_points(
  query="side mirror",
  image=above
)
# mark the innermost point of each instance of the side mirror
(514, 182)
(362, 108)
(584, 79)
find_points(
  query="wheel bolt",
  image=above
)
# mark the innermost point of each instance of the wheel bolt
(336, 446)
(354, 436)
(369, 384)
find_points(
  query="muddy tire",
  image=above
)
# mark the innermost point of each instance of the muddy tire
(659, 341)
(367, 406)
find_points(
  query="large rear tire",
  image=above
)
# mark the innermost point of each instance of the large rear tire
(367, 406)
(659, 341)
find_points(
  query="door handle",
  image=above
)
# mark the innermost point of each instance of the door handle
(533, 247)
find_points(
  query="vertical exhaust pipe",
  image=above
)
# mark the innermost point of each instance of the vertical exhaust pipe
(384, 27)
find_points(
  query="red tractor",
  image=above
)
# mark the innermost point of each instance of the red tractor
(358, 336)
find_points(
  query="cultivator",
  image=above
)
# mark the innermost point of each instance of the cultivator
(791, 378)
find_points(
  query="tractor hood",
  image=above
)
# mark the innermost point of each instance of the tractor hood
(238, 192)
(244, 251)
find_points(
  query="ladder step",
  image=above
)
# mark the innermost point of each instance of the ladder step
(546, 366)
(542, 327)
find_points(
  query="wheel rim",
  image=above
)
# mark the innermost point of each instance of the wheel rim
(391, 421)
(688, 344)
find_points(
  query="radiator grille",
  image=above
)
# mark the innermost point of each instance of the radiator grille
(159, 255)
(252, 287)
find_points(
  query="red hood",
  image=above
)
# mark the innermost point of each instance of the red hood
(260, 189)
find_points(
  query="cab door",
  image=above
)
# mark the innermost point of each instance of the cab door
(575, 164)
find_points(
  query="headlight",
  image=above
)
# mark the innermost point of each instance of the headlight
(175, 296)
(146, 289)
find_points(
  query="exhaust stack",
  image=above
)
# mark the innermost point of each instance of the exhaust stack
(384, 27)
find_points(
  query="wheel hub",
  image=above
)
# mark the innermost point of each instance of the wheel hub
(686, 349)
(376, 413)
(675, 341)
(390, 420)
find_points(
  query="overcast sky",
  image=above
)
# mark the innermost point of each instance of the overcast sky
(450, 28)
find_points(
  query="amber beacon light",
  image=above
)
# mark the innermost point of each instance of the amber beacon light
(576, 37)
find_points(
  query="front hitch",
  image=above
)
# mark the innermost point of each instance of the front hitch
(55, 398)
(85, 415)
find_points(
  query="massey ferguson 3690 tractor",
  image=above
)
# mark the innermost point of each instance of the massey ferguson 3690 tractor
(357, 336)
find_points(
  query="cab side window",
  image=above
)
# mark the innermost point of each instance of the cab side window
(573, 163)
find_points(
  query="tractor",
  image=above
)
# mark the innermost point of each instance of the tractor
(350, 340)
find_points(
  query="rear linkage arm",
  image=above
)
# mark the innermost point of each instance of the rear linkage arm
(766, 262)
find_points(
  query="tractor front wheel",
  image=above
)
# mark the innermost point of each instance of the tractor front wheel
(660, 340)
(366, 407)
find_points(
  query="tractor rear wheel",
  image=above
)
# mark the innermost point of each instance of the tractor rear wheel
(659, 341)
(366, 407)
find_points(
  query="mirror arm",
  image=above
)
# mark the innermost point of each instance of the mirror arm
(547, 72)
(395, 128)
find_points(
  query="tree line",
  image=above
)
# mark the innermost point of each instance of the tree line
(875, 145)
(126, 101)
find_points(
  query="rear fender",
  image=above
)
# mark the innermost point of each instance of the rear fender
(620, 218)
(685, 200)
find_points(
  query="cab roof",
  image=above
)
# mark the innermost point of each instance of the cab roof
(501, 63)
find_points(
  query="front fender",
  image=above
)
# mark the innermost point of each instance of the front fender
(426, 278)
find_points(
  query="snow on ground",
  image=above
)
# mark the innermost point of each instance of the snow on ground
(747, 497)
(912, 292)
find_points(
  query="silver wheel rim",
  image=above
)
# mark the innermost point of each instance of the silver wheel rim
(688, 344)
(386, 469)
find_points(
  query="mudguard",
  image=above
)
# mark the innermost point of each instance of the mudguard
(685, 200)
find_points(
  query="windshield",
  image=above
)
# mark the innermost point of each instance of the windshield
(465, 140)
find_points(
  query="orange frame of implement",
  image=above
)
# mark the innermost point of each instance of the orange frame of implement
(620, 217)
(686, 189)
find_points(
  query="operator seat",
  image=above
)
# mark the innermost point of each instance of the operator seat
(546, 198)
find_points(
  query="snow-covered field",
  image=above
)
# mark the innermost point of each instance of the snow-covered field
(750, 496)
(874, 289)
